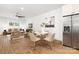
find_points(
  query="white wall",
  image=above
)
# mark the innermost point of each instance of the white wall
(58, 29)
(37, 21)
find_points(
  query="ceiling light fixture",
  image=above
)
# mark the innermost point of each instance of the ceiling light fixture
(22, 8)
(19, 13)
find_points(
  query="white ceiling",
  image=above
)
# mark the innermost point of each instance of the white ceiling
(29, 10)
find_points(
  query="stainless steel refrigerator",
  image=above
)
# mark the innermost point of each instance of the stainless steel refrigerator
(71, 31)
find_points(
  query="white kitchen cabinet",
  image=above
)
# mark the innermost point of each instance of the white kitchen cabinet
(70, 9)
(67, 9)
(75, 8)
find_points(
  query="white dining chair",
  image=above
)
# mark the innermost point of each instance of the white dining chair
(33, 38)
(50, 39)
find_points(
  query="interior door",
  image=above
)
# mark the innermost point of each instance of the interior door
(75, 31)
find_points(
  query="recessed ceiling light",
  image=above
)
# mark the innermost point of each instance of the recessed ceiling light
(21, 8)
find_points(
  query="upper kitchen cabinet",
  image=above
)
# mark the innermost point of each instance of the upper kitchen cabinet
(70, 9)
(67, 9)
(75, 8)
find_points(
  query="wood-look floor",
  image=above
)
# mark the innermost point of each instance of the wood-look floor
(23, 46)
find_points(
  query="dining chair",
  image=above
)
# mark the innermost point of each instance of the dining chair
(50, 39)
(33, 38)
